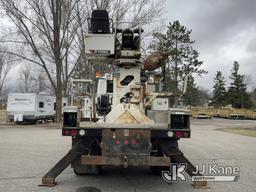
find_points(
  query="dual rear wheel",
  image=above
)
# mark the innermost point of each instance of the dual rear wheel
(91, 148)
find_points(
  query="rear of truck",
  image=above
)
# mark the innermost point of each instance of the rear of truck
(131, 144)
(129, 125)
(134, 125)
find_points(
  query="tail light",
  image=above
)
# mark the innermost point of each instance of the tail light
(71, 132)
(182, 134)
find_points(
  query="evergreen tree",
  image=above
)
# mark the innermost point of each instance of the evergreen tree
(204, 97)
(253, 97)
(183, 58)
(193, 94)
(219, 91)
(237, 94)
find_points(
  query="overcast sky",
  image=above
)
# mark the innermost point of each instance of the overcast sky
(224, 30)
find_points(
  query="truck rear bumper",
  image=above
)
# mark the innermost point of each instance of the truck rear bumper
(125, 160)
(152, 126)
(155, 133)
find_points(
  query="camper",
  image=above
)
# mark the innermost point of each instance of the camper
(31, 107)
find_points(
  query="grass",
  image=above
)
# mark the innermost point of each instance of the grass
(241, 131)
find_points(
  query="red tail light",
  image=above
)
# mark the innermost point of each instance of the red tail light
(73, 132)
(186, 134)
(65, 132)
(178, 134)
(182, 134)
(126, 142)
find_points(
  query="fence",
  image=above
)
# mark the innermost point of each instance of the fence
(2, 115)
(225, 113)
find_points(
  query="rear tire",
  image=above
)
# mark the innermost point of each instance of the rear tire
(79, 169)
(157, 170)
(87, 170)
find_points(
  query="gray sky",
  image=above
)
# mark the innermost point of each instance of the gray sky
(224, 30)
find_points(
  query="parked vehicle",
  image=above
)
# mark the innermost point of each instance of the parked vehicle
(130, 123)
(31, 107)
(203, 116)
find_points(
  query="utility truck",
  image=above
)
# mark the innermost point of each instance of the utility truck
(128, 121)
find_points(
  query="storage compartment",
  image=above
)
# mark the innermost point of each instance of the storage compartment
(100, 48)
(160, 104)
(158, 116)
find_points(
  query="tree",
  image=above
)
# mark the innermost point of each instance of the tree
(5, 64)
(192, 96)
(41, 83)
(204, 97)
(50, 33)
(25, 79)
(237, 94)
(253, 97)
(219, 97)
(45, 35)
(183, 58)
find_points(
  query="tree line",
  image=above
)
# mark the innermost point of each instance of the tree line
(235, 94)
(184, 62)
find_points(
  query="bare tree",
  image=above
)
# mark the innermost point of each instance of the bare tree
(46, 36)
(33, 79)
(5, 65)
(50, 33)
(139, 12)
(26, 79)
(41, 83)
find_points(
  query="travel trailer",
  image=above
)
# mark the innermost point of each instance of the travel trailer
(31, 107)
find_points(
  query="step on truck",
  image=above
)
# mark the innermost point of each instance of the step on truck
(127, 121)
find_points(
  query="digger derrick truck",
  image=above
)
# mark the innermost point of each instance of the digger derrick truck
(128, 121)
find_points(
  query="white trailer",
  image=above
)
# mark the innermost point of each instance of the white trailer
(30, 107)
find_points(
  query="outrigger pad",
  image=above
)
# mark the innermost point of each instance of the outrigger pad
(76, 151)
(171, 149)
(190, 169)
(200, 185)
(48, 182)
